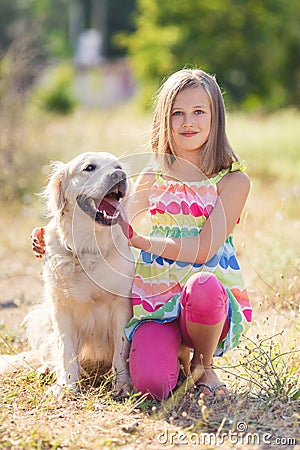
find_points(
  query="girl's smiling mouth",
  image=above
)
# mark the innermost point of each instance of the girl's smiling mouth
(189, 133)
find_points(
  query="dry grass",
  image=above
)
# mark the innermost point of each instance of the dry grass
(263, 373)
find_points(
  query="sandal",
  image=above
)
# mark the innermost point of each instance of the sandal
(213, 389)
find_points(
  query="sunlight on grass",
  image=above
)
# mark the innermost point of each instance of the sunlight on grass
(270, 144)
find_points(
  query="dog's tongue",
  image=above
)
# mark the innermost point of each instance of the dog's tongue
(109, 205)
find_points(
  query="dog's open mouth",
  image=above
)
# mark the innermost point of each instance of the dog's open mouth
(104, 211)
(107, 209)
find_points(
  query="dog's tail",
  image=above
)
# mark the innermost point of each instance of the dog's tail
(38, 331)
(12, 363)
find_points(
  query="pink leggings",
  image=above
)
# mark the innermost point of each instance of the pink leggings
(153, 360)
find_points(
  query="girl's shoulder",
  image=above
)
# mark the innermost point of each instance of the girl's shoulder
(236, 167)
(235, 178)
(145, 180)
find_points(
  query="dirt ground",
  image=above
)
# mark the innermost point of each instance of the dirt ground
(20, 287)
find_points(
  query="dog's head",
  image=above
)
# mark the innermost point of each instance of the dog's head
(96, 182)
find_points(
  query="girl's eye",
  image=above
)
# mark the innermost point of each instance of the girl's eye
(176, 113)
(198, 111)
(90, 168)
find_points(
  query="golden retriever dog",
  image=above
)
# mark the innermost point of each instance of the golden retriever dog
(87, 275)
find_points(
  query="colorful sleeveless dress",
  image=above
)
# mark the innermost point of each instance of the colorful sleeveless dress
(180, 209)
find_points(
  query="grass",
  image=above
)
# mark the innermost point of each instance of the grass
(269, 144)
(263, 372)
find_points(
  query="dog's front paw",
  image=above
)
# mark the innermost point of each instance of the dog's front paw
(122, 391)
(61, 390)
(56, 391)
(122, 387)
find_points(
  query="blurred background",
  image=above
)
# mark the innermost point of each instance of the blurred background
(61, 57)
(81, 75)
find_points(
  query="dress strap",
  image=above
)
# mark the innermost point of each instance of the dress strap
(158, 176)
(236, 166)
(239, 166)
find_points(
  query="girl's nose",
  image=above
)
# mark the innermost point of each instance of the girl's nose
(188, 120)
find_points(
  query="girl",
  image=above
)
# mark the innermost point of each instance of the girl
(188, 288)
(188, 291)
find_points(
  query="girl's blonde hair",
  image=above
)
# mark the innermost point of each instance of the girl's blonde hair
(216, 154)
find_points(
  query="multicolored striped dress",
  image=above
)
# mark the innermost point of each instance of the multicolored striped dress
(180, 209)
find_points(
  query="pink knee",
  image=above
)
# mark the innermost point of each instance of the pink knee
(204, 299)
(153, 357)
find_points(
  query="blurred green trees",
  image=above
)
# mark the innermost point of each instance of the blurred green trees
(253, 46)
(46, 20)
(56, 24)
(56, 95)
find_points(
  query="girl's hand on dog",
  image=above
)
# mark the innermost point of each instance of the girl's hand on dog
(125, 225)
(38, 242)
(134, 239)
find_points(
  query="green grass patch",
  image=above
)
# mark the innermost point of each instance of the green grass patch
(269, 144)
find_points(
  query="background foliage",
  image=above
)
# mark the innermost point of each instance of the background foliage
(45, 19)
(53, 22)
(252, 45)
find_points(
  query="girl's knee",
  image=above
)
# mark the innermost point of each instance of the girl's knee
(204, 283)
(204, 299)
(153, 375)
(153, 361)
(153, 382)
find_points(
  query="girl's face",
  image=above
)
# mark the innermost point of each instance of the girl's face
(190, 121)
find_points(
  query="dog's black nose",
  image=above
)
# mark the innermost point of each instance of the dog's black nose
(117, 175)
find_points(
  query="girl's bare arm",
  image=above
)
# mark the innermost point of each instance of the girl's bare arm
(233, 192)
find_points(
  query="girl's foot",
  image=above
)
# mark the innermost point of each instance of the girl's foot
(210, 385)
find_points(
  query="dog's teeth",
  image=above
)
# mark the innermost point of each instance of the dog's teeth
(104, 214)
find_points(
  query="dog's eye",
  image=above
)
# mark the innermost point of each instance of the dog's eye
(90, 168)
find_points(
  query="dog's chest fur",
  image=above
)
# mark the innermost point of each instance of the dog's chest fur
(91, 272)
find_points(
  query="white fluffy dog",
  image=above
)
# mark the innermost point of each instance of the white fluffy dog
(87, 274)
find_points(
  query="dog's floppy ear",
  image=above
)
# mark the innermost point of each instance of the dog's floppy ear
(55, 190)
